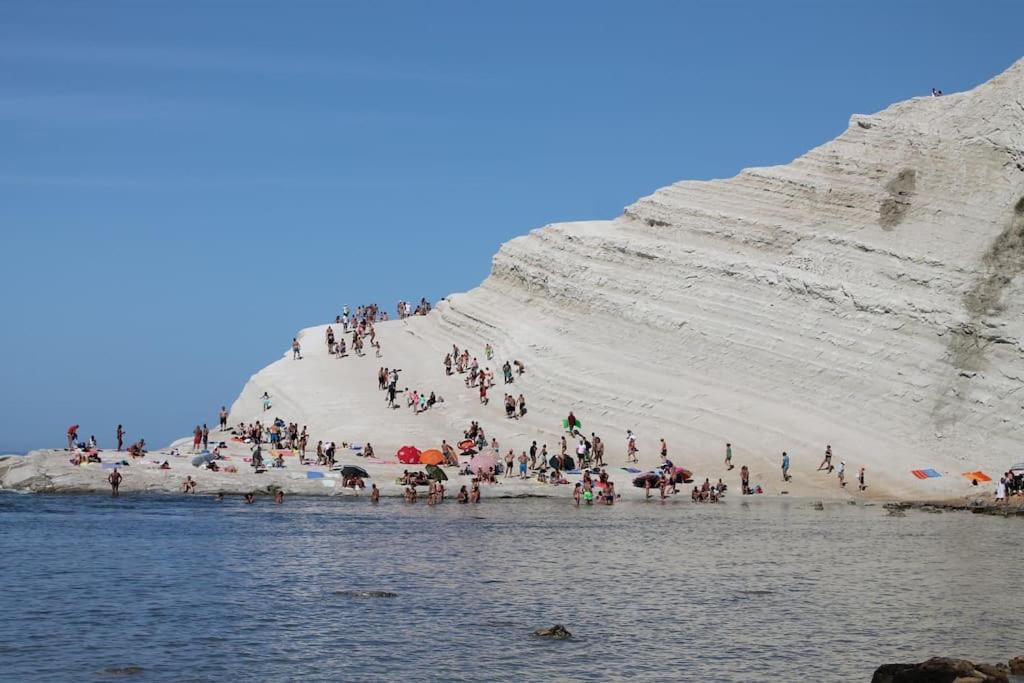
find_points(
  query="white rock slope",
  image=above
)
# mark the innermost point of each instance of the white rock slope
(868, 295)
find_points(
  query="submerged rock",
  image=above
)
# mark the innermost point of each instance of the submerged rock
(122, 670)
(941, 670)
(366, 594)
(1017, 666)
(556, 632)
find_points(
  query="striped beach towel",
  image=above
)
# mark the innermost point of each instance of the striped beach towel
(925, 474)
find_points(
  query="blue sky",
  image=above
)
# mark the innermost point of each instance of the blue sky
(184, 185)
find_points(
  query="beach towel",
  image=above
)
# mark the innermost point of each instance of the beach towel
(925, 474)
(382, 462)
(575, 472)
(314, 475)
(283, 454)
(979, 475)
(110, 465)
(329, 483)
(632, 470)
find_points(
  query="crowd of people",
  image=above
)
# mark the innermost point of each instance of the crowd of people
(575, 453)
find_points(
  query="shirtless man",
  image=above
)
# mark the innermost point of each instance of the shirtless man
(296, 349)
(598, 449)
(223, 418)
(115, 482)
(374, 494)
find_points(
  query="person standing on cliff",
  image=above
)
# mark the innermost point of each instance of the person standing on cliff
(826, 464)
(115, 482)
(72, 437)
(120, 437)
(728, 456)
(744, 480)
(206, 437)
(223, 418)
(785, 466)
(296, 349)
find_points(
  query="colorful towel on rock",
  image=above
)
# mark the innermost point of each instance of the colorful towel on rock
(925, 474)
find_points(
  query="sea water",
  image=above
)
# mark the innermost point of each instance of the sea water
(188, 588)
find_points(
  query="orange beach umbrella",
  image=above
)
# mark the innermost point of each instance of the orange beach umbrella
(431, 457)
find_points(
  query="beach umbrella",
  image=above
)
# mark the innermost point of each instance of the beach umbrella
(567, 463)
(408, 455)
(466, 445)
(436, 473)
(1019, 467)
(482, 461)
(201, 460)
(354, 471)
(431, 457)
(641, 481)
(683, 475)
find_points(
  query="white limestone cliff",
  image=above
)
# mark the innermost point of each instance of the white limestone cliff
(867, 295)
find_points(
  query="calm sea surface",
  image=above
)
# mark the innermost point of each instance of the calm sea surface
(195, 590)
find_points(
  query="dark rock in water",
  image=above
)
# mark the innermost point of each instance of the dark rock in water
(122, 670)
(819, 505)
(366, 594)
(556, 632)
(941, 670)
(1017, 666)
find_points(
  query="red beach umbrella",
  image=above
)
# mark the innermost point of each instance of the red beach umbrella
(409, 455)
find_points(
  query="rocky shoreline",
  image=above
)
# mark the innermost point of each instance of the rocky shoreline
(978, 506)
(949, 670)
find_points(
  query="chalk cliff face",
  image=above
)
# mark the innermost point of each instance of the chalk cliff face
(868, 294)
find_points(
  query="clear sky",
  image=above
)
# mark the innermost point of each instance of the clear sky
(184, 185)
